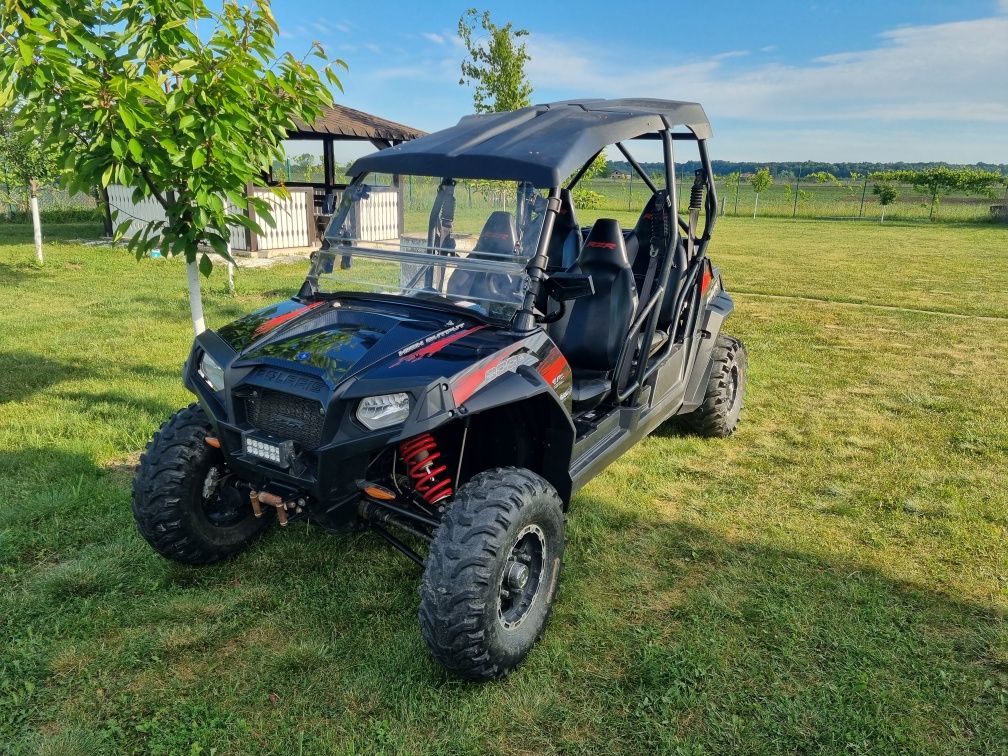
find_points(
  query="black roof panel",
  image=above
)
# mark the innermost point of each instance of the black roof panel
(542, 144)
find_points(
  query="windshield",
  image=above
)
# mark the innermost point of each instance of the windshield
(464, 242)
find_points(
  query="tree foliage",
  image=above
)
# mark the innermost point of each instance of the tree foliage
(940, 180)
(761, 180)
(128, 92)
(823, 177)
(495, 66)
(885, 191)
(24, 159)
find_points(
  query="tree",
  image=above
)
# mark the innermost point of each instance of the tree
(496, 66)
(761, 181)
(886, 193)
(307, 165)
(941, 180)
(25, 163)
(583, 196)
(734, 179)
(130, 93)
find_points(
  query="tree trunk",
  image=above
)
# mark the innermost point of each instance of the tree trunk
(195, 297)
(756, 206)
(883, 215)
(36, 222)
(230, 272)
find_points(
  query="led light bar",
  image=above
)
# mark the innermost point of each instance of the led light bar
(263, 447)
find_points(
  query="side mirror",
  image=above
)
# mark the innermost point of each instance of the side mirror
(564, 287)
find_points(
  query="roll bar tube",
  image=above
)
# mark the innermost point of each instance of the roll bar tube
(524, 321)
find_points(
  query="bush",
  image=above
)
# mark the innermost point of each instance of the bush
(56, 215)
(586, 199)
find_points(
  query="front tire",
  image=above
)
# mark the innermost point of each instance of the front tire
(183, 501)
(491, 573)
(718, 416)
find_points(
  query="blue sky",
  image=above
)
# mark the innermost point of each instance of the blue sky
(856, 80)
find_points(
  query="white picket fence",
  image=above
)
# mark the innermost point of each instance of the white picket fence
(293, 219)
(139, 214)
(376, 218)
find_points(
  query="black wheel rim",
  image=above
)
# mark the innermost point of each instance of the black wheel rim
(733, 387)
(221, 509)
(522, 577)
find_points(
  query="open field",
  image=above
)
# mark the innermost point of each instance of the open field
(815, 200)
(834, 579)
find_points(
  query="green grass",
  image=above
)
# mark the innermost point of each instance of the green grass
(833, 579)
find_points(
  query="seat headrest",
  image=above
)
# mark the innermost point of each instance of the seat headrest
(498, 236)
(605, 244)
(645, 223)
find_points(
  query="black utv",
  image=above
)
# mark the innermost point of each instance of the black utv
(462, 357)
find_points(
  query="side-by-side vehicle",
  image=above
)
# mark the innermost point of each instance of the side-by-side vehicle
(462, 357)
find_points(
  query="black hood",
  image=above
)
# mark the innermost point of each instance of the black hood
(339, 338)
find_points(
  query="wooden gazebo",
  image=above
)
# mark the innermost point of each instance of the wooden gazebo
(340, 123)
(300, 217)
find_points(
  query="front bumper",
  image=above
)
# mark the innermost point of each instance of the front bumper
(322, 463)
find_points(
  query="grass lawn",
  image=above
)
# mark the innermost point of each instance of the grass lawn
(833, 579)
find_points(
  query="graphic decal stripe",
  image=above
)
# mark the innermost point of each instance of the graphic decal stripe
(272, 323)
(436, 346)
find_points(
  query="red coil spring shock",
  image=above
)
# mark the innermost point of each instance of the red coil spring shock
(421, 455)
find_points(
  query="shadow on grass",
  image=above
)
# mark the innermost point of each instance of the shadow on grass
(665, 638)
(23, 374)
(112, 406)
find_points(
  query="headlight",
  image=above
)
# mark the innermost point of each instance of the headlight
(212, 372)
(376, 412)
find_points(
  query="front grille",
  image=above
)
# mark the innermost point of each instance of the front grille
(286, 416)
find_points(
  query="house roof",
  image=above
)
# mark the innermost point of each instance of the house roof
(542, 144)
(343, 122)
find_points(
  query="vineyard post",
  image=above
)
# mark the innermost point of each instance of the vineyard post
(629, 200)
(738, 186)
(863, 192)
(797, 184)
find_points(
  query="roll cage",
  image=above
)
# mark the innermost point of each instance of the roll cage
(497, 147)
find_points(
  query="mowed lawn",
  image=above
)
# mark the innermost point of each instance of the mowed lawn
(833, 579)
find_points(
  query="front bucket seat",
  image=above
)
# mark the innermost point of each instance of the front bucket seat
(595, 327)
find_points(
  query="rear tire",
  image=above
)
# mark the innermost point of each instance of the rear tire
(491, 573)
(718, 415)
(181, 501)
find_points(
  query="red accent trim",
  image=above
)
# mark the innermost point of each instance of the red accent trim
(436, 346)
(471, 381)
(272, 323)
(603, 245)
(554, 364)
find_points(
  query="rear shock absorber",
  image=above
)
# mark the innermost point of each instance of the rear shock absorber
(420, 454)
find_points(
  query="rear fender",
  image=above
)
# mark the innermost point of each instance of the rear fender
(717, 309)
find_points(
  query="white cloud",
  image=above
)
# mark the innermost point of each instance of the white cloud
(432, 37)
(950, 75)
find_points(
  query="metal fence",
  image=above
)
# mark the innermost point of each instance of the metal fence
(801, 198)
(14, 199)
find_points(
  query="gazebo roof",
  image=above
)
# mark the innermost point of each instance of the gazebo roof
(346, 123)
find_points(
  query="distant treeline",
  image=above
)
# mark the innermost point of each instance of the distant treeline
(790, 169)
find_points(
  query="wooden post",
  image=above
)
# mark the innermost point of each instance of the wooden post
(863, 192)
(329, 164)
